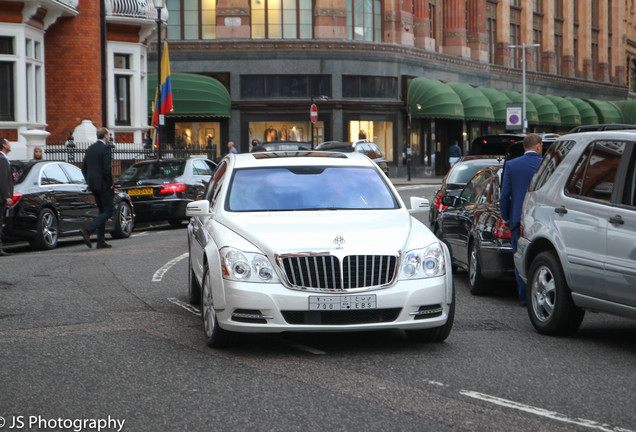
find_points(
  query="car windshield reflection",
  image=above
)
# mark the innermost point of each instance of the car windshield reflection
(308, 188)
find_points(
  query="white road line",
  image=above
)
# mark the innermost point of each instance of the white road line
(139, 234)
(542, 412)
(159, 273)
(185, 306)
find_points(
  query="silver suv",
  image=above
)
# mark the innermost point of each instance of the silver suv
(577, 249)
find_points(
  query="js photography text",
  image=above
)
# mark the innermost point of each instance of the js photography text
(38, 422)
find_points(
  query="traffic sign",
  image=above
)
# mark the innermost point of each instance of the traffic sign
(313, 113)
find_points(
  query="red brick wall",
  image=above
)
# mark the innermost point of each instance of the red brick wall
(73, 71)
(10, 12)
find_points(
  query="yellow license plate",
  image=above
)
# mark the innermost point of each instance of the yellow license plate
(141, 191)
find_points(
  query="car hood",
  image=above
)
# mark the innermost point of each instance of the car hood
(338, 231)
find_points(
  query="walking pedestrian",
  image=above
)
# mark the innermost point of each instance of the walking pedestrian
(6, 186)
(454, 153)
(231, 148)
(97, 169)
(517, 176)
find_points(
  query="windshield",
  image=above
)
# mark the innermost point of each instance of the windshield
(154, 170)
(308, 188)
(463, 172)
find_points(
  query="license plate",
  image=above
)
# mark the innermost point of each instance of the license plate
(343, 302)
(140, 191)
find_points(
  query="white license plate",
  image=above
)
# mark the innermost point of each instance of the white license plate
(342, 302)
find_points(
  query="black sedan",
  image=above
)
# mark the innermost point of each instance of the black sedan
(51, 200)
(474, 231)
(456, 178)
(161, 189)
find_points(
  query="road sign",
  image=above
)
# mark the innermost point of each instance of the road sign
(513, 117)
(313, 113)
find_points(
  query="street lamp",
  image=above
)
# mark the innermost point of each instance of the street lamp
(159, 6)
(523, 80)
(313, 99)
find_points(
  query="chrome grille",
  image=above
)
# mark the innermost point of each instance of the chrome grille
(323, 272)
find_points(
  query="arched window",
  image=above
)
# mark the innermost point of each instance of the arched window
(364, 20)
(281, 19)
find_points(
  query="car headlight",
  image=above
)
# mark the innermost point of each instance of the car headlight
(246, 266)
(424, 263)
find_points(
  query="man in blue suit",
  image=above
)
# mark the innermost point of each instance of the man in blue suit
(517, 176)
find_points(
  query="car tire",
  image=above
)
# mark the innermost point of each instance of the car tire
(124, 222)
(194, 288)
(550, 306)
(47, 231)
(478, 284)
(215, 336)
(436, 334)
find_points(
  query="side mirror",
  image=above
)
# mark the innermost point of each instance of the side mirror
(198, 208)
(450, 201)
(419, 205)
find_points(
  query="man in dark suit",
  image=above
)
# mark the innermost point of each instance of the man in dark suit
(97, 169)
(517, 176)
(6, 186)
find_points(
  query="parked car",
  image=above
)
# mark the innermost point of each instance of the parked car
(474, 231)
(286, 145)
(289, 242)
(161, 189)
(601, 127)
(493, 144)
(455, 180)
(578, 224)
(51, 200)
(367, 148)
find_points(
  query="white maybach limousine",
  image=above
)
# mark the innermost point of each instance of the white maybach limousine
(311, 241)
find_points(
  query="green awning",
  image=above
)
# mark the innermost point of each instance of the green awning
(193, 96)
(569, 114)
(548, 112)
(607, 112)
(588, 115)
(498, 101)
(433, 99)
(628, 110)
(531, 112)
(476, 105)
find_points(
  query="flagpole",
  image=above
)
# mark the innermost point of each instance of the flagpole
(159, 6)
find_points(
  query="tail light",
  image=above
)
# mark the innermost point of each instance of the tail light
(438, 202)
(173, 188)
(16, 198)
(501, 230)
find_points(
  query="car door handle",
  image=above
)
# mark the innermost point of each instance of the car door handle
(618, 220)
(561, 210)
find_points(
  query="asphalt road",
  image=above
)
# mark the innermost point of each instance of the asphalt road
(90, 336)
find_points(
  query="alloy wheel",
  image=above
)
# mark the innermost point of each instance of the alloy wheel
(543, 293)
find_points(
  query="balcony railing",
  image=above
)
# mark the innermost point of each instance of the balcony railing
(140, 9)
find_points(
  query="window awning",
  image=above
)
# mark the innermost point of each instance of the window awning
(547, 111)
(498, 101)
(569, 113)
(433, 99)
(607, 112)
(476, 105)
(628, 110)
(588, 115)
(193, 96)
(531, 110)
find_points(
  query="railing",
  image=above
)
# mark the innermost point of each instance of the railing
(131, 8)
(124, 154)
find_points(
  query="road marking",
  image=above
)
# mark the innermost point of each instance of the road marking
(159, 273)
(185, 306)
(419, 186)
(139, 234)
(542, 412)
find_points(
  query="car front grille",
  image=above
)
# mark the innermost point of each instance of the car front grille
(368, 316)
(326, 272)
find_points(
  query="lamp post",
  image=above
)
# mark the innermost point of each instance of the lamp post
(523, 81)
(313, 99)
(159, 6)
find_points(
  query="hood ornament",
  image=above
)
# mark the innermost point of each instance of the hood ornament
(339, 241)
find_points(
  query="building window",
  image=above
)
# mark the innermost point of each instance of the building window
(122, 89)
(558, 9)
(632, 71)
(515, 54)
(284, 86)
(491, 29)
(287, 19)
(536, 51)
(558, 53)
(373, 87)
(379, 132)
(191, 19)
(364, 20)
(536, 6)
(7, 83)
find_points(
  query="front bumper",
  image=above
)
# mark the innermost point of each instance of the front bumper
(283, 309)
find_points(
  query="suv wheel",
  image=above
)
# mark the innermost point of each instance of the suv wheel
(478, 285)
(550, 306)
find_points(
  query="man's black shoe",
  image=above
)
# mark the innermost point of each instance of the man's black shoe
(4, 253)
(87, 237)
(103, 245)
